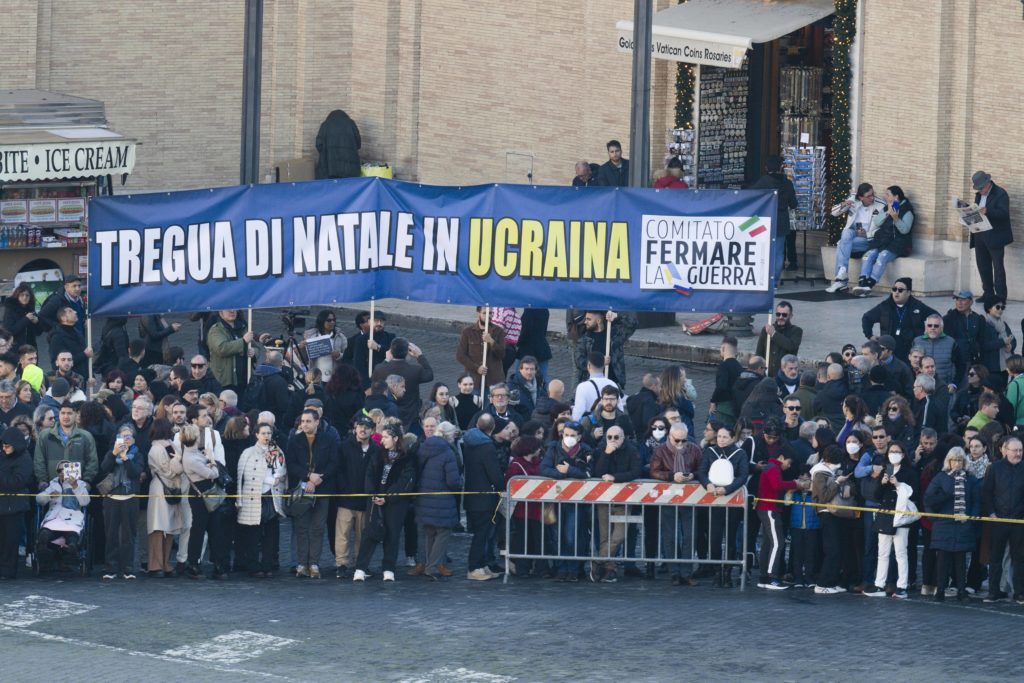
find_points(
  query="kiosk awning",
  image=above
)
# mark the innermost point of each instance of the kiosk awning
(719, 32)
(50, 136)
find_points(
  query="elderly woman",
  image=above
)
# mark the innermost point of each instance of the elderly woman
(393, 471)
(164, 518)
(262, 478)
(122, 469)
(437, 514)
(952, 492)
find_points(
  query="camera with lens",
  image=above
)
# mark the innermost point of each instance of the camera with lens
(294, 319)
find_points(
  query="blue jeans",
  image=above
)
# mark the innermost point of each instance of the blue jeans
(573, 536)
(870, 543)
(848, 243)
(875, 262)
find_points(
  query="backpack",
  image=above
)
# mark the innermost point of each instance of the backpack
(252, 397)
(721, 472)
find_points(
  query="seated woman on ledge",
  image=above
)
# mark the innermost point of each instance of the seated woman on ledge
(890, 238)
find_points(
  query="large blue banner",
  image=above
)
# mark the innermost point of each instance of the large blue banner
(338, 241)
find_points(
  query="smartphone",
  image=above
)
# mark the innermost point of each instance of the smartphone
(118, 441)
(896, 206)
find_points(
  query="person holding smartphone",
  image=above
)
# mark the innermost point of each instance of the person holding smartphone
(125, 465)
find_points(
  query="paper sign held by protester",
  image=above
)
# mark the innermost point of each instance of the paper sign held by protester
(319, 346)
(970, 216)
(72, 470)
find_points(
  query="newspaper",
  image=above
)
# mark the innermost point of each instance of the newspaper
(971, 216)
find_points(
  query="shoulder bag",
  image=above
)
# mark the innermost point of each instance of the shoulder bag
(298, 501)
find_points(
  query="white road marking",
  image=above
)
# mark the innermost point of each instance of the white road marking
(53, 638)
(451, 675)
(230, 648)
(35, 608)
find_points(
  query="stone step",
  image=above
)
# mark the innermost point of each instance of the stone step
(933, 274)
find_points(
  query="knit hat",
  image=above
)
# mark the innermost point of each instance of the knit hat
(878, 374)
(15, 437)
(60, 388)
(906, 281)
(33, 374)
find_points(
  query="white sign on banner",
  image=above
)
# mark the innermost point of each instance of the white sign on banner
(57, 160)
(319, 346)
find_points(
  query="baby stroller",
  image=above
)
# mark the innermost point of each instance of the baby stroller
(59, 551)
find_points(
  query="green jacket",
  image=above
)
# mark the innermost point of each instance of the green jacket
(224, 351)
(1015, 395)
(50, 450)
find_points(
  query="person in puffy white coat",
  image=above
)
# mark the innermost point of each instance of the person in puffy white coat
(262, 479)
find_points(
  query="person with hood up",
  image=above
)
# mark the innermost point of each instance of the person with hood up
(338, 143)
(20, 317)
(483, 473)
(391, 472)
(898, 473)
(567, 458)
(724, 469)
(762, 405)
(61, 530)
(437, 513)
(15, 482)
(677, 461)
(125, 465)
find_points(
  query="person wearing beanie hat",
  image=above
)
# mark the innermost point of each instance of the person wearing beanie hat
(994, 204)
(33, 374)
(900, 315)
(15, 482)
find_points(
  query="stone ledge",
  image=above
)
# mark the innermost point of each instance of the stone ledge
(933, 275)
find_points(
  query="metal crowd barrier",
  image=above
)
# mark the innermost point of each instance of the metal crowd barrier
(589, 520)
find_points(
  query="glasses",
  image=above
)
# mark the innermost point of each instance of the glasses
(899, 290)
(781, 315)
(499, 395)
(329, 320)
(199, 365)
(879, 437)
(972, 373)
(999, 307)
(894, 409)
(792, 409)
(612, 437)
(933, 325)
(678, 442)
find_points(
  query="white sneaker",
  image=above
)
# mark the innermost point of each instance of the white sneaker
(359, 575)
(410, 561)
(829, 590)
(479, 575)
(838, 286)
(389, 576)
(109, 577)
(842, 274)
(301, 571)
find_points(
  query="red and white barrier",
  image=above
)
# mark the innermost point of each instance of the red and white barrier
(539, 489)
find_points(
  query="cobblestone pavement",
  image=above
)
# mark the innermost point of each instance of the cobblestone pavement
(62, 628)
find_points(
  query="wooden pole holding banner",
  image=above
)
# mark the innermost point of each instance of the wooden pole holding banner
(607, 343)
(483, 362)
(248, 364)
(88, 342)
(369, 346)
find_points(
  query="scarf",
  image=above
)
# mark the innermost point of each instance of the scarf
(977, 468)
(1004, 336)
(392, 456)
(959, 492)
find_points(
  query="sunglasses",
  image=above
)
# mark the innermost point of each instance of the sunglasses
(792, 409)
(781, 315)
(678, 441)
(894, 409)
(933, 326)
(999, 307)
(899, 290)
(199, 365)
(614, 438)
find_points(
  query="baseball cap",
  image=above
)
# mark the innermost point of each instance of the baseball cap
(313, 403)
(364, 421)
(963, 294)
(887, 341)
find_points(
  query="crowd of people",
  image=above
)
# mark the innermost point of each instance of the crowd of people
(153, 463)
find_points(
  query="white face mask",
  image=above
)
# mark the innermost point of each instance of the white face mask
(852, 448)
(570, 441)
(895, 458)
(658, 434)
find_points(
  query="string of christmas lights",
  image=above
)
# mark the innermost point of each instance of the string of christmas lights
(844, 28)
(685, 81)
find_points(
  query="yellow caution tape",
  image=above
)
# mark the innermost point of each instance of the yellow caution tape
(932, 515)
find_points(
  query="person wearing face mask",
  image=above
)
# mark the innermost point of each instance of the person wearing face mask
(677, 461)
(952, 492)
(898, 472)
(567, 458)
(724, 469)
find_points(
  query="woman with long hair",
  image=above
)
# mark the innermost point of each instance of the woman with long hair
(164, 518)
(440, 396)
(676, 391)
(344, 392)
(391, 472)
(724, 469)
(20, 317)
(898, 419)
(25, 394)
(327, 326)
(855, 411)
(890, 239)
(467, 401)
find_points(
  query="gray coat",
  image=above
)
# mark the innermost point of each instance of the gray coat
(944, 350)
(160, 516)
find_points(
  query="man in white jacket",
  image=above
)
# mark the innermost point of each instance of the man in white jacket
(859, 210)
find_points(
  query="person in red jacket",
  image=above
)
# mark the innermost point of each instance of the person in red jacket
(673, 178)
(772, 487)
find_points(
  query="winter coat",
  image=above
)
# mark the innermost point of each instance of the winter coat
(533, 338)
(786, 194)
(889, 496)
(786, 340)
(272, 394)
(68, 338)
(470, 352)
(740, 466)
(771, 487)
(622, 329)
(401, 478)
(949, 534)
(521, 467)
(597, 421)
(948, 366)
(623, 463)
(155, 331)
(160, 515)
(823, 486)
(903, 329)
(383, 403)
(338, 143)
(21, 328)
(227, 352)
(829, 401)
(803, 516)
(997, 211)
(64, 511)
(526, 405)
(439, 472)
(483, 471)
(15, 477)
(414, 375)
(127, 474)
(667, 461)
(874, 395)
(580, 461)
(50, 450)
(1002, 491)
(893, 235)
(352, 464)
(342, 407)
(642, 407)
(252, 470)
(322, 455)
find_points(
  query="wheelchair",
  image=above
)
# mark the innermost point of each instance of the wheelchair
(61, 561)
